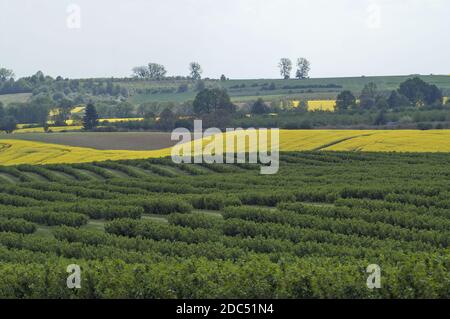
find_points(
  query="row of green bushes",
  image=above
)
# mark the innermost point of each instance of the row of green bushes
(16, 225)
(44, 216)
(257, 277)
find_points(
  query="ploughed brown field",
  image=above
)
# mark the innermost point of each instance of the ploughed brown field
(135, 141)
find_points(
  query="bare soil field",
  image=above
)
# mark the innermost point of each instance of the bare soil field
(134, 141)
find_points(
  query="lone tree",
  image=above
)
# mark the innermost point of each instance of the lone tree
(156, 71)
(153, 71)
(303, 68)
(6, 74)
(195, 71)
(212, 100)
(285, 66)
(259, 107)
(345, 100)
(214, 107)
(166, 120)
(90, 119)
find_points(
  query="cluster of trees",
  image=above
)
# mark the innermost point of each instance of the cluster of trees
(58, 95)
(303, 68)
(35, 111)
(9, 86)
(40, 84)
(155, 71)
(212, 105)
(413, 92)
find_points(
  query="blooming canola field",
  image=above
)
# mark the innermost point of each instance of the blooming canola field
(16, 151)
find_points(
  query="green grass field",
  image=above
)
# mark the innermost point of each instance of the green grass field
(13, 98)
(245, 90)
(250, 89)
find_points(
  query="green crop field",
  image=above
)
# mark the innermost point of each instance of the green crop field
(14, 98)
(154, 229)
(244, 90)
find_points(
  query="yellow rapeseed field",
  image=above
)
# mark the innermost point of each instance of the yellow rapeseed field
(52, 128)
(26, 152)
(14, 152)
(77, 109)
(322, 105)
(318, 105)
(115, 120)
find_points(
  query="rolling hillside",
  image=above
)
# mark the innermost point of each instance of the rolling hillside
(14, 151)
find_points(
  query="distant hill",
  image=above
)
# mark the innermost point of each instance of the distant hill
(269, 89)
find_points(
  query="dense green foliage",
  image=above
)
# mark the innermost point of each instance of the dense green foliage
(210, 231)
(207, 231)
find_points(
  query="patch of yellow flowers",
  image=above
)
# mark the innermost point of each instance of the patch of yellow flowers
(318, 105)
(52, 128)
(14, 152)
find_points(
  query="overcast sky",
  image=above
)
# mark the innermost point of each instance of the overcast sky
(240, 38)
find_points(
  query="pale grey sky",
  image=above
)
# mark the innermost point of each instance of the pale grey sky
(240, 38)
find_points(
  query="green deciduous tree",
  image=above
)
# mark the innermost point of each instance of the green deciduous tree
(211, 100)
(123, 110)
(381, 118)
(195, 71)
(303, 68)
(420, 92)
(345, 101)
(166, 120)
(397, 100)
(156, 71)
(6, 74)
(140, 72)
(214, 107)
(368, 96)
(153, 71)
(285, 66)
(259, 107)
